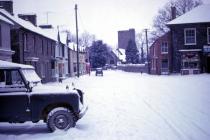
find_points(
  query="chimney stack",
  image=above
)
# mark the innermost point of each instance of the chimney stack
(173, 13)
(46, 26)
(29, 17)
(7, 5)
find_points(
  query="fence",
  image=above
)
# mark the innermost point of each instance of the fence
(138, 68)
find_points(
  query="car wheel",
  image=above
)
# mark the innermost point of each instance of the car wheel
(60, 118)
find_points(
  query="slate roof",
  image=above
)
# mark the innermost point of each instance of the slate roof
(2, 18)
(27, 25)
(200, 14)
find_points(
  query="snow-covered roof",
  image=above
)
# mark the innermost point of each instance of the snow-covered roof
(199, 14)
(72, 46)
(27, 25)
(54, 32)
(6, 64)
(120, 53)
(2, 18)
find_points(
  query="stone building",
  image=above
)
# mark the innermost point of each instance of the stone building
(124, 37)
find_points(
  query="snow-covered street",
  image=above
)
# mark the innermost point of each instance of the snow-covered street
(131, 106)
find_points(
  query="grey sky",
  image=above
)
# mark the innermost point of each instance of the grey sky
(100, 17)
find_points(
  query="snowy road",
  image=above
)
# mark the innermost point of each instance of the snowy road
(129, 106)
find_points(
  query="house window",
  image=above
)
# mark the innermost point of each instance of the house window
(208, 35)
(43, 70)
(25, 42)
(52, 49)
(164, 64)
(190, 36)
(42, 50)
(164, 47)
(47, 48)
(34, 43)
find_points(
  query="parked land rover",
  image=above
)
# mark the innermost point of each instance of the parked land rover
(24, 98)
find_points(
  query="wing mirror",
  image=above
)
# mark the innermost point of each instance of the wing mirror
(29, 88)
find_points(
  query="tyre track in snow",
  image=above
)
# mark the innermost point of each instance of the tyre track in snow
(188, 117)
(169, 124)
(188, 126)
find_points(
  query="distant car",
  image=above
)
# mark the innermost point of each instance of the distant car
(107, 66)
(113, 67)
(24, 98)
(99, 71)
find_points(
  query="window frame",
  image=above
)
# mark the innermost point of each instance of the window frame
(25, 42)
(42, 47)
(43, 70)
(185, 40)
(164, 48)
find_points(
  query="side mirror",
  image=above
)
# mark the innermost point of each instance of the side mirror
(29, 88)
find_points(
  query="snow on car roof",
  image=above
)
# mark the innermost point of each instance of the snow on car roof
(196, 15)
(6, 64)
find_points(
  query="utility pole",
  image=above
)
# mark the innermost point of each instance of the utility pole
(146, 30)
(77, 41)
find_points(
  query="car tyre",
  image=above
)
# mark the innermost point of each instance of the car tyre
(60, 119)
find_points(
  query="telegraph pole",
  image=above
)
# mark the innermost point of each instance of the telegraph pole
(77, 41)
(146, 30)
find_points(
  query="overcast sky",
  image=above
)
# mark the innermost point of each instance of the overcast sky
(100, 17)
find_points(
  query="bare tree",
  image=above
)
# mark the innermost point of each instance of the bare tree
(140, 43)
(164, 14)
(184, 6)
(86, 39)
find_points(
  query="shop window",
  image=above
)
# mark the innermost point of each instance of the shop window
(190, 36)
(164, 47)
(190, 65)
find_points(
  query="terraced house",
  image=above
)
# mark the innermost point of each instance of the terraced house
(31, 44)
(44, 47)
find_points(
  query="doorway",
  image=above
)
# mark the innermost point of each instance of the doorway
(208, 65)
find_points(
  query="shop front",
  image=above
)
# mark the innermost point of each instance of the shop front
(190, 61)
(206, 54)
